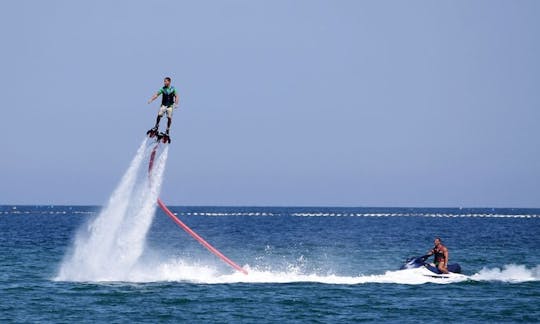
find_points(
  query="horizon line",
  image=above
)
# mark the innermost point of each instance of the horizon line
(274, 206)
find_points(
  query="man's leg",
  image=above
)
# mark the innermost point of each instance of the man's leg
(160, 114)
(442, 268)
(169, 118)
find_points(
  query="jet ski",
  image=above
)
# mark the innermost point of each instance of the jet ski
(430, 270)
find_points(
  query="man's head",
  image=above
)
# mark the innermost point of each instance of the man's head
(167, 81)
(437, 241)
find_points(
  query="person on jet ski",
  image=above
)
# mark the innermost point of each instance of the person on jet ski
(441, 255)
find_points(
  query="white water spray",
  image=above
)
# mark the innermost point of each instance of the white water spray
(108, 247)
(179, 270)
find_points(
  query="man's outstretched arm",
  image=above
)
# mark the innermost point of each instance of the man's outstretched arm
(154, 97)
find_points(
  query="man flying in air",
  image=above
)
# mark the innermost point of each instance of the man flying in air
(169, 101)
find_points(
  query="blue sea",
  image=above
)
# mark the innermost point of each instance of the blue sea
(305, 264)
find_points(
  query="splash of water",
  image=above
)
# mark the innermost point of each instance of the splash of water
(108, 247)
(513, 273)
(180, 270)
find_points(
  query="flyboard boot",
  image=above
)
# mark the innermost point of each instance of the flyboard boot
(152, 132)
(164, 137)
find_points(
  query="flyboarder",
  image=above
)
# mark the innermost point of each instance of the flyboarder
(169, 101)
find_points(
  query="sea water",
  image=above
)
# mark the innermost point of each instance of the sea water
(128, 262)
(305, 264)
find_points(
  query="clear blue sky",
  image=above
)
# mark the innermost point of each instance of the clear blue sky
(341, 103)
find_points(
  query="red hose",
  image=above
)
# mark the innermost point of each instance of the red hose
(199, 238)
(189, 230)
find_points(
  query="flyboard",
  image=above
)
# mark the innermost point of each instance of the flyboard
(164, 138)
(160, 136)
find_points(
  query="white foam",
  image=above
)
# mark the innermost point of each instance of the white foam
(109, 245)
(441, 215)
(216, 214)
(179, 270)
(509, 273)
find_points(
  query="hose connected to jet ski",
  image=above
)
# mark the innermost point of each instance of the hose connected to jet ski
(185, 227)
